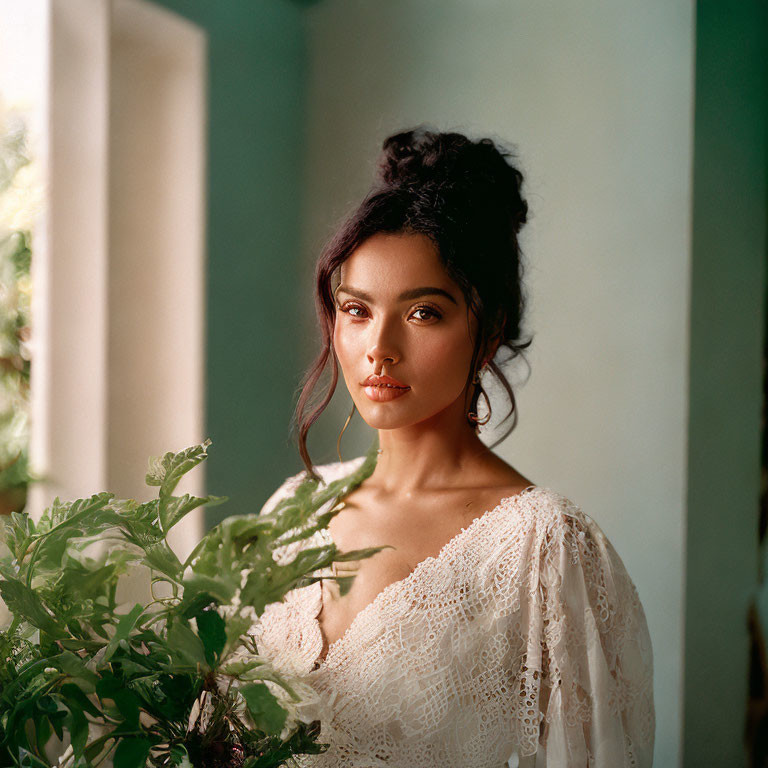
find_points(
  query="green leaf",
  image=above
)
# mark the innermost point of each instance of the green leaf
(91, 584)
(128, 704)
(107, 685)
(83, 515)
(193, 602)
(132, 753)
(244, 526)
(78, 728)
(161, 557)
(175, 508)
(74, 696)
(212, 586)
(180, 756)
(42, 733)
(123, 630)
(56, 721)
(185, 645)
(176, 693)
(237, 626)
(24, 602)
(24, 675)
(267, 714)
(46, 704)
(75, 668)
(168, 470)
(212, 630)
(16, 531)
(183, 762)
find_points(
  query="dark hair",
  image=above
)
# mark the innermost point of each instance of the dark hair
(466, 197)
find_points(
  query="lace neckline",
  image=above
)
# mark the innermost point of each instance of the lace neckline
(333, 648)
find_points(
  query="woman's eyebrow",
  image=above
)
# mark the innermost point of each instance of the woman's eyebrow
(413, 293)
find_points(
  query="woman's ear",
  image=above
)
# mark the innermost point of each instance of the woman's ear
(493, 345)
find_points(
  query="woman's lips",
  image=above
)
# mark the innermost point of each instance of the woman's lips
(381, 393)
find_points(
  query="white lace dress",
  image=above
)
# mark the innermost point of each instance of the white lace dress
(522, 643)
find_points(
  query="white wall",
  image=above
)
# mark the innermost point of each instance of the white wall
(597, 96)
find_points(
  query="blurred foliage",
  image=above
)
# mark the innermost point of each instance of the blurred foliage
(15, 294)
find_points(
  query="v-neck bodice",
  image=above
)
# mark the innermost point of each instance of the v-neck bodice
(505, 506)
(523, 639)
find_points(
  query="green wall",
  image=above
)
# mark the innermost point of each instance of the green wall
(727, 311)
(256, 71)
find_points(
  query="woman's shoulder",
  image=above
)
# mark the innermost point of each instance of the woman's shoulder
(561, 543)
(547, 528)
(556, 514)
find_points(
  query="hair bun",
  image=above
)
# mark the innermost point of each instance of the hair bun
(407, 158)
(420, 156)
(477, 170)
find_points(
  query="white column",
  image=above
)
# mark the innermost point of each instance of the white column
(118, 369)
(69, 265)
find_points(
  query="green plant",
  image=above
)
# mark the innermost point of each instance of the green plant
(177, 681)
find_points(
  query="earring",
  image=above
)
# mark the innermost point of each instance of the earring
(472, 415)
(338, 442)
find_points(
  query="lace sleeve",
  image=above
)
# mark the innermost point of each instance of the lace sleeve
(587, 673)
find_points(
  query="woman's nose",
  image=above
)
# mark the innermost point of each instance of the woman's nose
(378, 355)
(382, 344)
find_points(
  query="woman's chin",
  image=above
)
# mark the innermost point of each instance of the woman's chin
(384, 415)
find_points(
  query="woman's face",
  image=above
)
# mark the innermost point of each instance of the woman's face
(399, 314)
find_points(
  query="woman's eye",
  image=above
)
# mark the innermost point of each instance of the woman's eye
(430, 312)
(348, 308)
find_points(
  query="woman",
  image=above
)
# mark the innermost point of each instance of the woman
(500, 625)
